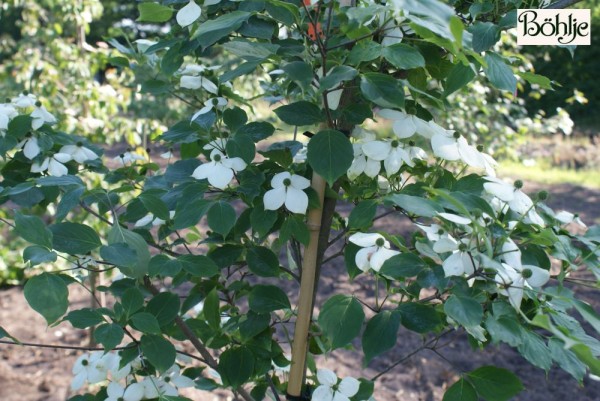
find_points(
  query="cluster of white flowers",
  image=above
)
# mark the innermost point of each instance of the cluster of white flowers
(53, 163)
(123, 382)
(446, 144)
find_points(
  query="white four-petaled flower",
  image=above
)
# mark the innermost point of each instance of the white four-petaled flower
(330, 390)
(116, 392)
(54, 164)
(220, 169)
(375, 250)
(79, 153)
(287, 189)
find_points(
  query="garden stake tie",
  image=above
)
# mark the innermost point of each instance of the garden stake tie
(305, 299)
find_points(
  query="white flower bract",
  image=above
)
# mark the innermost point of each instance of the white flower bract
(188, 14)
(375, 250)
(219, 170)
(328, 391)
(287, 189)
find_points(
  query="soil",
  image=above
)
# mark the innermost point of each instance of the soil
(44, 374)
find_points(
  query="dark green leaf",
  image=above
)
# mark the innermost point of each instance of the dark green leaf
(135, 241)
(380, 334)
(418, 317)
(415, 205)
(109, 335)
(267, 298)
(500, 74)
(47, 294)
(145, 322)
(155, 205)
(462, 390)
(485, 35)
(236, 366)
(221, 218)
(535, 79)
(262, 261)
(213, 30)
(337, 75)
(258, 130)
(253, 324)
(164, 306)
(33, 229)
(199, 265)
(495, 384)
(403, 56)
(534, 349)
(361, 217)
(212, 309)
(341, 319)
(84, 318)
(262, 220)
(234, 118)
(459, 76)
(330, 154)
(300, 72)
(294, 226)
(300, 113)
(159, 352)
(162, 265)
(282, 11)
(189, 212)
(74, 238)
(402, 265)
(566, 359)
(119, 254)
(132, 301)
(464, 310)
(242, 146)
(382, 89)
(36, 254)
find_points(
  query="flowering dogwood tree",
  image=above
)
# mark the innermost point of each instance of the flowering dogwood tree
(485, 258)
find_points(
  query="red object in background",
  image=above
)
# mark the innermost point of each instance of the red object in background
(312, 32)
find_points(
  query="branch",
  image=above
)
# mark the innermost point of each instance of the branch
(201, 348)
(562, 4)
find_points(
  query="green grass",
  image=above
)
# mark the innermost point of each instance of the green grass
(545, 174)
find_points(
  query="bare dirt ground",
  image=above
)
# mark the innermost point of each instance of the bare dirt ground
(40, 374)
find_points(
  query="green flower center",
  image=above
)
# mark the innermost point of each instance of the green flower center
(518, 184)
(85, 362)
(380, 242)
(395, 143)
(411, 143)
(79, 144)
(456, 135)
(527, 273)
(462, 247)
(480, 148)
(215, 102)
(167, 379)
(217, 158)
(38, 104)
(287, 182)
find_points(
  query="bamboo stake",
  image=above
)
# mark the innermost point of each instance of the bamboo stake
(305, 300)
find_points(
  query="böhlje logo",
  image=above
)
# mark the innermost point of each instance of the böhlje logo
(554, 27)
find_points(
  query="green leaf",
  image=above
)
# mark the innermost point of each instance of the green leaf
(189, 212)
(380, 334)
(154, 12)
(341, 319)
(162, 265)
(250, 50)
(382, 89)
(236, 366)
(403, 56)
(211, 31)
(585, 355)
(300, 72)
(258, 130)
(337, 75)
(74, 238)
(294, 226)
(234, 118)
(109, 335)
(84, 318)
(402, 265)
(165, 307)
(47, 294)
(146, 323)
(415, 205)
(19, 126)
(221, 218)
(199, 265)
(242, 146)
(254, 324)
(135, 241)
(282, 11)
(36, 254)
(330, 154)
(566, 359)
(505, 329)
(4, 333)
(361, 217)
(459, 76)
(160, 353)
(119, 254)
(300, 113)
(485, 35)
(534, 349)
(155, 205)
(464, 310)
(462, 390)
(240, 70)
(418, 317)
(212, 309)
(262, 261)
(500, 74)
(536, 79)
(33, 229)
(365, 50)
(268, 298)
(132, 301)
(262, 220)
(495, 384)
